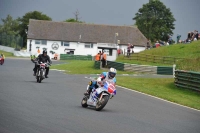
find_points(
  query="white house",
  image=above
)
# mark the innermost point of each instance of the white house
(81, 38)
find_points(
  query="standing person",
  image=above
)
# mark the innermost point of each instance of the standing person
(197, 35)
(132, 46)
(103, 59)
(128, 50)
(148, 44)
(97, 57)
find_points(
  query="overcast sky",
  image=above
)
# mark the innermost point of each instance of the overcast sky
(113, 12)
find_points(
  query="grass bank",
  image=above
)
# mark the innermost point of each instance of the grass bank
(191, 53)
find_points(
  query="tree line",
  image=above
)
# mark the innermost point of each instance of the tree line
(153, 19)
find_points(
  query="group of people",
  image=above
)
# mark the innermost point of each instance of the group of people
(101, 56)
(191, 36)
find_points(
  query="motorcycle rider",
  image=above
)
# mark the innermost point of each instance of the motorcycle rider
(42, 58)
(105, 76)
(3, 57)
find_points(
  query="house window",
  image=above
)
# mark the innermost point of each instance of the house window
(37, 42)
(108, 52)
(42, 42)
(66, 44)
(70, 52)
(88, 45)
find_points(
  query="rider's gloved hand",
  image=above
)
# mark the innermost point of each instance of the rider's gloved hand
(100, 83)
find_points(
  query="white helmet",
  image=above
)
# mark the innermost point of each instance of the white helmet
(112, 72)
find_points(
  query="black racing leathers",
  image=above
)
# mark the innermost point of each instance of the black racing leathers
(44, 59)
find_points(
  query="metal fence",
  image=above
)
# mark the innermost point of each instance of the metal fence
(186, 79)
(153, 58)
(162, 70)
(75, 57)
(11, 41)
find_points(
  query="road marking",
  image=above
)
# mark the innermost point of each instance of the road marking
(153, 96)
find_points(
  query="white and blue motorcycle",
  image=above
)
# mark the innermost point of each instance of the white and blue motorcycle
(99, 97)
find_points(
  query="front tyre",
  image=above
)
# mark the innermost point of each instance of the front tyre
(41, 76)
(101, 104)
(84, 101)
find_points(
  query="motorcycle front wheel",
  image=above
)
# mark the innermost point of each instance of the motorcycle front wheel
(102, 103)
(84, 101)
(40, 76)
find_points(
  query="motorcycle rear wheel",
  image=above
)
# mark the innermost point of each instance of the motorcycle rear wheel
(101, 104)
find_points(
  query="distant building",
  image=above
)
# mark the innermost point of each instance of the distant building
(81, 38)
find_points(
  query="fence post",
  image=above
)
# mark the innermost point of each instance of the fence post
(163, 59)
(174, 68)
(146, 57)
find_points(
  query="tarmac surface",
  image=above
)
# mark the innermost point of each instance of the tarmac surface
(54, 106)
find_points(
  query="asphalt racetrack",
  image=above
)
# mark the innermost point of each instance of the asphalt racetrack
(54, 106)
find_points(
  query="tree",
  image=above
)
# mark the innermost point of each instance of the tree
(10, 26)
(73, 20)
(76, 18)
(24, 21)
(155, 20)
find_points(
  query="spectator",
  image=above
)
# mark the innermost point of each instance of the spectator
(104, 56)
(197, 35)
(118, 52)
(157, 44)
(189, 37)
(97, 57)
(178, 38)
(128, 50)
(170, 40)
(132, 46)
(148, 44)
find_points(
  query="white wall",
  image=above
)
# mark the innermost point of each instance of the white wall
(79, 48)
(7, 49)
(136, 49)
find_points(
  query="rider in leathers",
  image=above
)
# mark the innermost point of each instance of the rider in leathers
(105, 76)
(42, 58)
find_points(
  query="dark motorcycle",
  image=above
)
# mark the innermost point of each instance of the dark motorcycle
(40, 74)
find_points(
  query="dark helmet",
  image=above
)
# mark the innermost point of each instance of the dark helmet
(44, 51)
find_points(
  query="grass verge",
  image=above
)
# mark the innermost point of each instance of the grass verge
(163, 88)
(7, 54)
(81, 67)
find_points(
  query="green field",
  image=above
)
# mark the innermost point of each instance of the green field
(7, 54)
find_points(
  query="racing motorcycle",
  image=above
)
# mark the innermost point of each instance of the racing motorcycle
(40, 74)
(1, 60)
(99, 97)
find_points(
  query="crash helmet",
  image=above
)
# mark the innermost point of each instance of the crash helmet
(112, 72)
